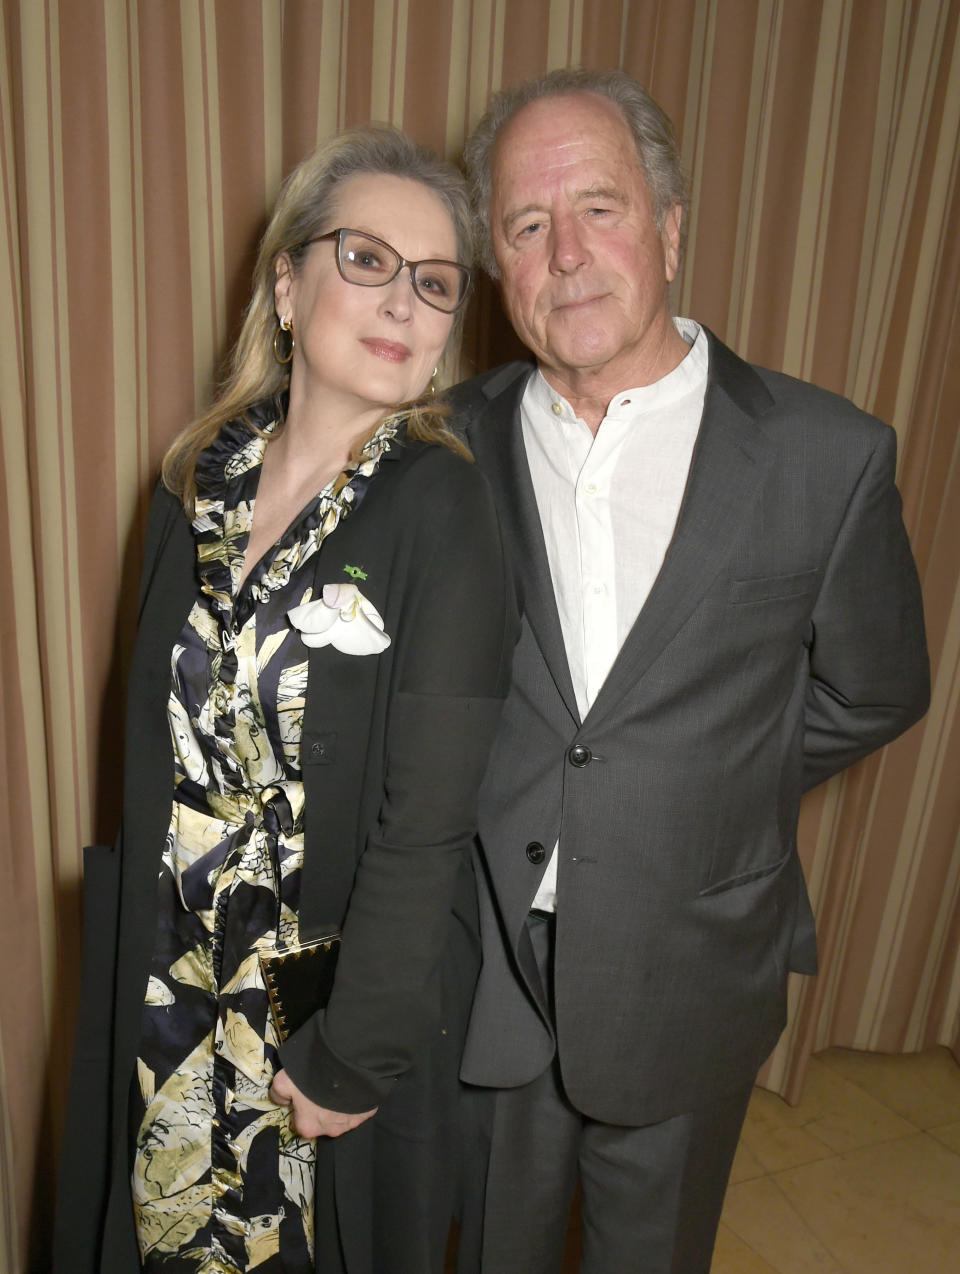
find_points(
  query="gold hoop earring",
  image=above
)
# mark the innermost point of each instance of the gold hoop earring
(286, 325)
(432, 387)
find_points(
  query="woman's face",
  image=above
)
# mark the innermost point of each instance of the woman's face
(368, 348)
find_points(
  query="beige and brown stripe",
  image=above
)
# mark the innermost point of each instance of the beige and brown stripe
(141, 145)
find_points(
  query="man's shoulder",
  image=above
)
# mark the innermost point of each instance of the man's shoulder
(792, 404)
(474, 394)
(791, 394)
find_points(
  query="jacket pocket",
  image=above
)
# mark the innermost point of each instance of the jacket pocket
(773, 588)
(745, 877)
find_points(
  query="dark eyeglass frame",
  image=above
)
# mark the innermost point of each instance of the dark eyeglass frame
(413, 266)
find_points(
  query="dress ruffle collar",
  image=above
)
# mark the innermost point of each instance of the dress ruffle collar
(227, 475)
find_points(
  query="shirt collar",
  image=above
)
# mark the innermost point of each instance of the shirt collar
(687, 377)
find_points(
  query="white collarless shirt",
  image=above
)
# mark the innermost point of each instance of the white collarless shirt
(608, 506)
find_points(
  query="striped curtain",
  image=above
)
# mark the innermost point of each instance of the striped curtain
(142, 144)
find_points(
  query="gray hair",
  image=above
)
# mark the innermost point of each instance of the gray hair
(648, 123)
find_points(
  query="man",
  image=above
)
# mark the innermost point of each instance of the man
(720, 611)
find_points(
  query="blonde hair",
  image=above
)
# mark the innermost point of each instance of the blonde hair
(304, 210)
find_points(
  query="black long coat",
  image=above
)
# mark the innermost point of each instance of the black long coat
(393, 750)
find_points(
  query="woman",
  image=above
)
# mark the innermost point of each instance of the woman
(323, 638)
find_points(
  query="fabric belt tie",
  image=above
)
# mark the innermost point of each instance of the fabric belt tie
(267, 810)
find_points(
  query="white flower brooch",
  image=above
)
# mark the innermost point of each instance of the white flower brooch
(341, 617)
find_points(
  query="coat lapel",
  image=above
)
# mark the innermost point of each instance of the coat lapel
(496, 439)
(729, 462)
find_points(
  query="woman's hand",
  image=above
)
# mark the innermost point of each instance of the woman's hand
(309, 1119)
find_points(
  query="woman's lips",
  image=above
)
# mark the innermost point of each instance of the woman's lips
(389, 351)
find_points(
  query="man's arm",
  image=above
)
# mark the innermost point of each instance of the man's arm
(869, 672)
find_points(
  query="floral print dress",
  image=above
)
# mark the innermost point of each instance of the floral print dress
(221, 1181)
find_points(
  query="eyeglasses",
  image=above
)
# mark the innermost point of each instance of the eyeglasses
(370, 263)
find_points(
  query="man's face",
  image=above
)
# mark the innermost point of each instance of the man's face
(584, 269)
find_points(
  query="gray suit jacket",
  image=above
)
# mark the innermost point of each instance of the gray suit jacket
(782, 640)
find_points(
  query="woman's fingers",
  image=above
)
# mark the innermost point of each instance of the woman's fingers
(309, 1119)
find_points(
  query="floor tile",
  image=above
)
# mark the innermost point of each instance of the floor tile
(746, 1165)
(949, 1136)
(923, 1088)
(834, 1115)
(844, 1116)
(774, 1135)
(882, 1209)
(758, 1214)
(733, 1256)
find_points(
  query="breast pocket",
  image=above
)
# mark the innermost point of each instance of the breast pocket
(773, 588)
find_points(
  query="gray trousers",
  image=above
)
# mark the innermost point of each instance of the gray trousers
(651, 1197)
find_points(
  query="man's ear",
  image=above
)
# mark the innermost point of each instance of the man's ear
(670, 236)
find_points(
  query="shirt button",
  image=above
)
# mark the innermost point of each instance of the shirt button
(535, 852)
(580, 755)
(591, 488)
(557, 408)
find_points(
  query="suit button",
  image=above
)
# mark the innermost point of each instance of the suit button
(535, 852)
(580, 755)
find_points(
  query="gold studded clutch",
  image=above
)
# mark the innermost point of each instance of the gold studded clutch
(299, 980)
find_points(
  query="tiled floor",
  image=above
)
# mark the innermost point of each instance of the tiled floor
(863, 1177)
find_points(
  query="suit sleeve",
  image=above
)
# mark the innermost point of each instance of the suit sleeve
(869, 672)
(451, 674)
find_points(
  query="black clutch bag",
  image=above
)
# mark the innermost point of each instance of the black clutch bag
(299, 980)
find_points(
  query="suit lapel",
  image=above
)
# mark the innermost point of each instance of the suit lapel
(729, 462)
(496, 439)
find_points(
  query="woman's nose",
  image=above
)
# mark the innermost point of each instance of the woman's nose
(399, 295)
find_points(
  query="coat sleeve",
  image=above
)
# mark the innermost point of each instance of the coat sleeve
(451, 670)
(90, 1132)
(869, 672)
(165, 511)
